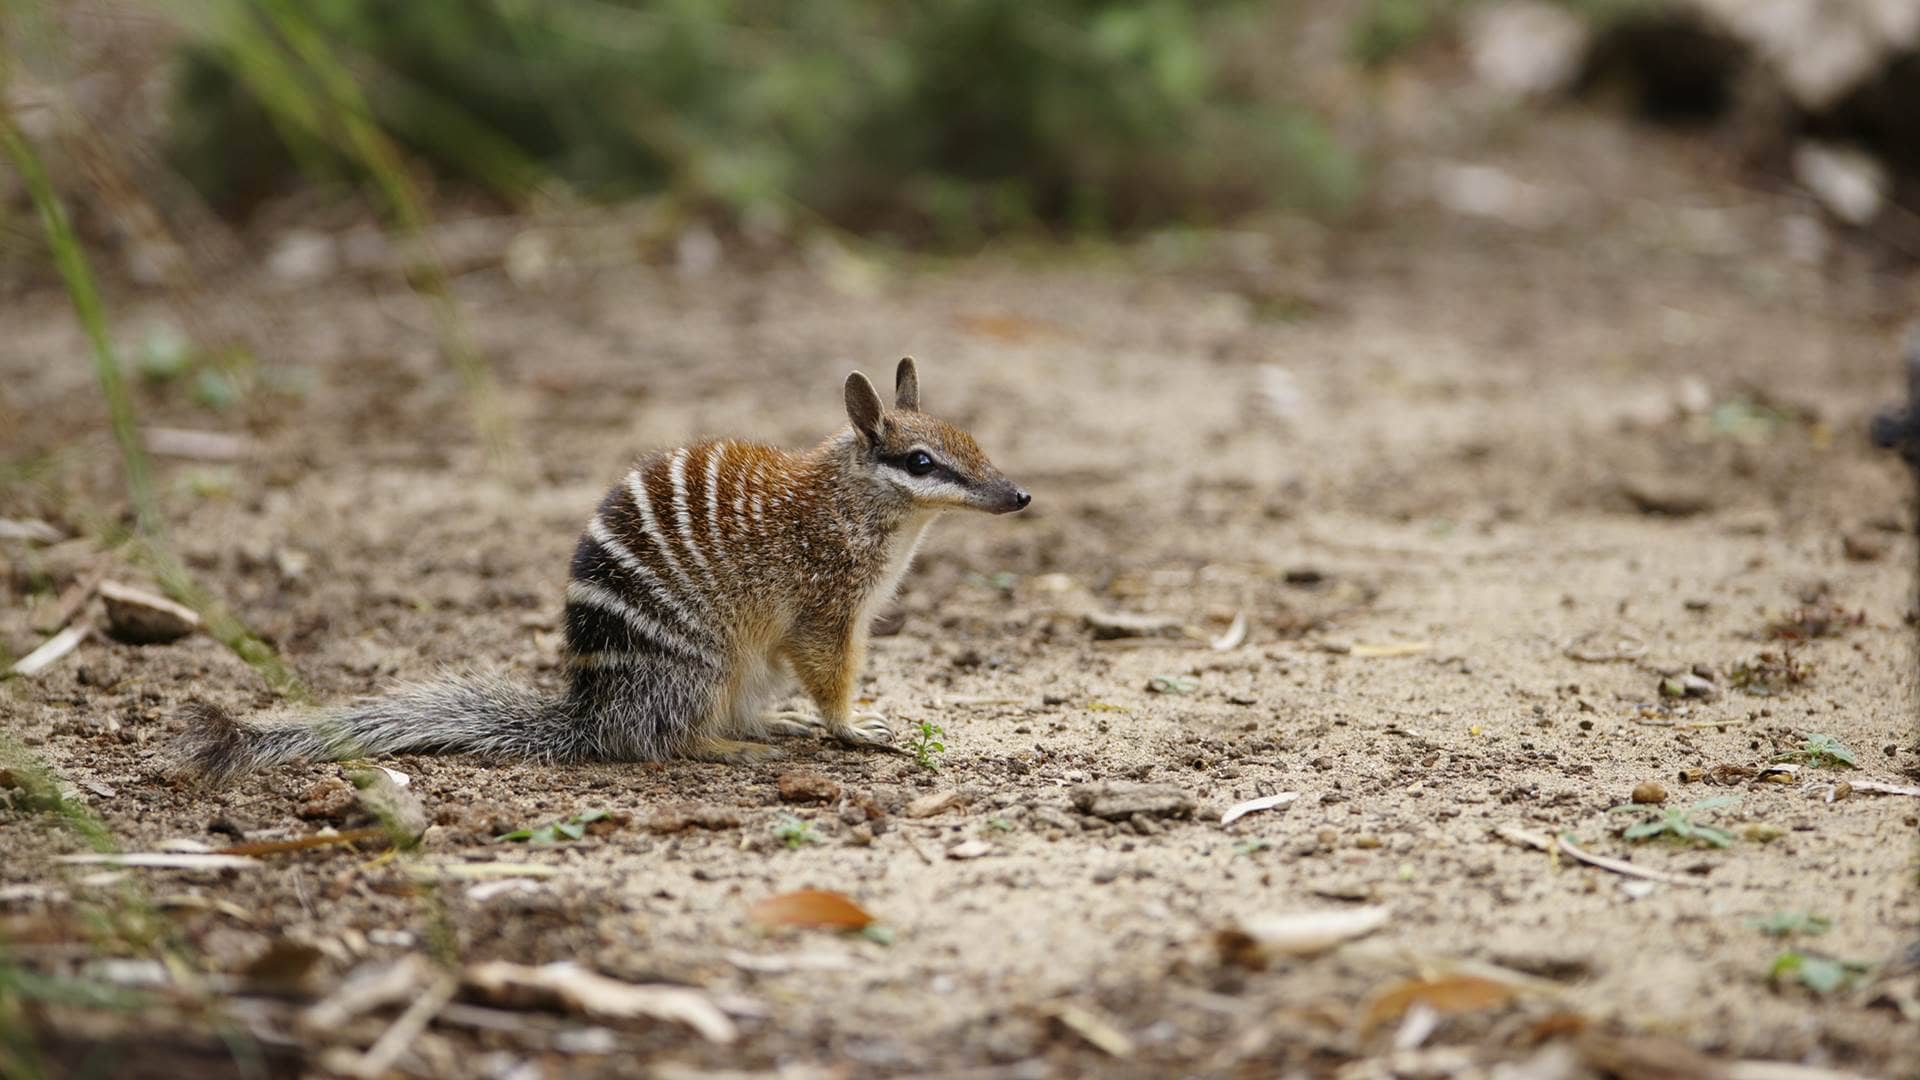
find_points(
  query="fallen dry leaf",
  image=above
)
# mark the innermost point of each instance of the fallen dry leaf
(1115, 625)
(598, 995)
(1236, 634)
(1542, 842)
(1097, 1029)
(145, 618)
(1008, 328)
(302, 843)
(934, 803)
(1377, 650)
(1878, 788)
(1442, 994)
(165, 860)
(810, 908)
(1264, 802)
(51, 650)
(482, 871)
(368, 987)
(1303, 933)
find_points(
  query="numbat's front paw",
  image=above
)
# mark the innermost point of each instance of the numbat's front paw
(794, 723)
(871, 727)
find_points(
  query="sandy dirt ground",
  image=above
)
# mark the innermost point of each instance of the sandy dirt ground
(1478, 488)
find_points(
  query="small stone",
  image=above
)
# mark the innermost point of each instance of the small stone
(1849, 182)
(389, 802)
(1694, 685)
(1119, 801)
(807, 786)
(1649, 793)
(139, 617)
(1665, 497)
(327, 799)
(1109, 625)
(672, 819)
(936, 803)
(292, 563)
(969, 849)
(1860, 547)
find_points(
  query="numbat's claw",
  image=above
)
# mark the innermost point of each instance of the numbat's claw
(793, 723)
(873, 727)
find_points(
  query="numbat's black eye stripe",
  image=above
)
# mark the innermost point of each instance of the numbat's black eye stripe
(917, 463)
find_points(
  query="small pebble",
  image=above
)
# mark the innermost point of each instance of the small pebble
(1649, 792)
(1695, 685)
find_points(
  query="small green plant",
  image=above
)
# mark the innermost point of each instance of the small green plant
(794, 832)
(1676, 823)
(1000, 581)
(1172, 684)
(925, 745)
(1248, 847)
(1385, 29)
(1820, 974)
(1788, 923)
(573, 828)
(1823, 750)
(999, 824)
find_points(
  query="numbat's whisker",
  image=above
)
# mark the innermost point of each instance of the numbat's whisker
(706, 577)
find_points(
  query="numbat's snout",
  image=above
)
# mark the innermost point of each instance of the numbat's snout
(707, 577)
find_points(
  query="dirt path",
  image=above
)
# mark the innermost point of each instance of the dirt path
(1437, 434)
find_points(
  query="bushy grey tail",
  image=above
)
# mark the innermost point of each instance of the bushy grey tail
(469, 713)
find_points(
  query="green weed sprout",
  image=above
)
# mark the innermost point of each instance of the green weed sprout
(924, 742)
(1677, 823)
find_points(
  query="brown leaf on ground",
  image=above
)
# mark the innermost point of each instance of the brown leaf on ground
(1444, 994)
(598, 995)
(807, 786)
(672, 819)
(809, 908)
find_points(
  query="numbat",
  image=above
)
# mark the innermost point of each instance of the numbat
(707, 575)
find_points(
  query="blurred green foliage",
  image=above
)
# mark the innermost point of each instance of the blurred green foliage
(930, 119)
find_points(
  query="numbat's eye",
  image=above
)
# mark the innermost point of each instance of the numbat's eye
(919, 463)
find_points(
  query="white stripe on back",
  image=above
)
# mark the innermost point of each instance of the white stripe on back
(713, 488)
(677, 474)
(655, 588)
(637, 487)
(601, 598)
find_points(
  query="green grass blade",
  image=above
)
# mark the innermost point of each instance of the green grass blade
(276, 75)
(81, 289)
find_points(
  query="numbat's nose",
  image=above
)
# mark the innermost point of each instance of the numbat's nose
(1021, 499)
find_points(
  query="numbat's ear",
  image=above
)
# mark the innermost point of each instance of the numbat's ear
(906, 386)
(863, 407)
